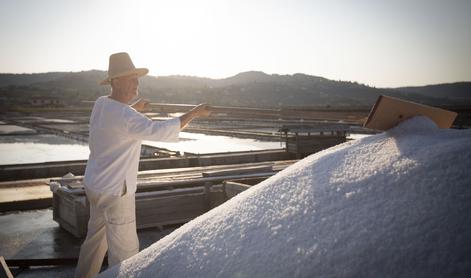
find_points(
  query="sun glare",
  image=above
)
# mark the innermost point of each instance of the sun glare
(181, 37)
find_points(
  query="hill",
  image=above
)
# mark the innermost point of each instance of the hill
(253, 88)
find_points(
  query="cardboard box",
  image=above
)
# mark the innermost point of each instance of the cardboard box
(389, 112)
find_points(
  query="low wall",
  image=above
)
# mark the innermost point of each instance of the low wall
(59, 169)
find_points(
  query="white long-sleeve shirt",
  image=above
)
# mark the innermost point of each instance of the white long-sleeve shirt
(116, 132)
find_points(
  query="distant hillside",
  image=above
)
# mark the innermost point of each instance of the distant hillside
(8, 79)
(449, 90)
(254, 89)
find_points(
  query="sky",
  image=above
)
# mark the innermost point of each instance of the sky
(379, 43)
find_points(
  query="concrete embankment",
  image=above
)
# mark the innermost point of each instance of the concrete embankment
(58, 169)
(25, 195)
(35, 193)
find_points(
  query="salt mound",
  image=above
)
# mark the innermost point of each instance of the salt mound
(395, 204)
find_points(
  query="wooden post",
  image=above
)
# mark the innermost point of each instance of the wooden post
(4, 271)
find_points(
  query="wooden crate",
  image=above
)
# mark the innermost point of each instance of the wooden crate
(71, 211)
(163, 197)
(153, 209)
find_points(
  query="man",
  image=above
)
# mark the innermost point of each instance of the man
(116, 131)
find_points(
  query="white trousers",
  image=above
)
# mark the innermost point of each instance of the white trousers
(112, 227)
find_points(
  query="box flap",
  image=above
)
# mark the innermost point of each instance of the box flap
(389, 112)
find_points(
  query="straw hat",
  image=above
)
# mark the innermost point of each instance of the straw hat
(121, 65)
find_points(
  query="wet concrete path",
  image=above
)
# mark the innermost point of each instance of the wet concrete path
(34, 235)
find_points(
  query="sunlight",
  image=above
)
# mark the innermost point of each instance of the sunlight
(393, 44)
(182, 37)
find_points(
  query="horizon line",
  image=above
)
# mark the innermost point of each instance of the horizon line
(257, 71)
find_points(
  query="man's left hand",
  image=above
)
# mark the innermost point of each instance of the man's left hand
(142, 105)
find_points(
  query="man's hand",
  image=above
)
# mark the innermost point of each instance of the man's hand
(142, 105)
(202, 110)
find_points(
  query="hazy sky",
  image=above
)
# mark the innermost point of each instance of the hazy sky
(379, 43)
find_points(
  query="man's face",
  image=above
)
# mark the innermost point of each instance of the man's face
(127, 86)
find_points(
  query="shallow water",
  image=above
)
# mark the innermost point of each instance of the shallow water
(44, 148)
(40, 148)
(202, 144)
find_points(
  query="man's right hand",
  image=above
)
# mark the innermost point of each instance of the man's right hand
(201, 110)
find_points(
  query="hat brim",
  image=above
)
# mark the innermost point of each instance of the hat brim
(137, 72)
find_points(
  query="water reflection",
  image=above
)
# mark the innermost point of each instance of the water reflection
(40, 148)
(48, 139)
(202, 144)
(356, 136)
(44, 147)
(14, 129)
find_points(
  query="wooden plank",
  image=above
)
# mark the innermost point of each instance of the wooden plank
(26, 204)
(165, 223)
(170, 203)
(164, 182)
(238, 171)
(248, 181)
(389, 112)
(201, 181)
(23, 263)
(172, 192)
(4, 271)
(58, 169)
